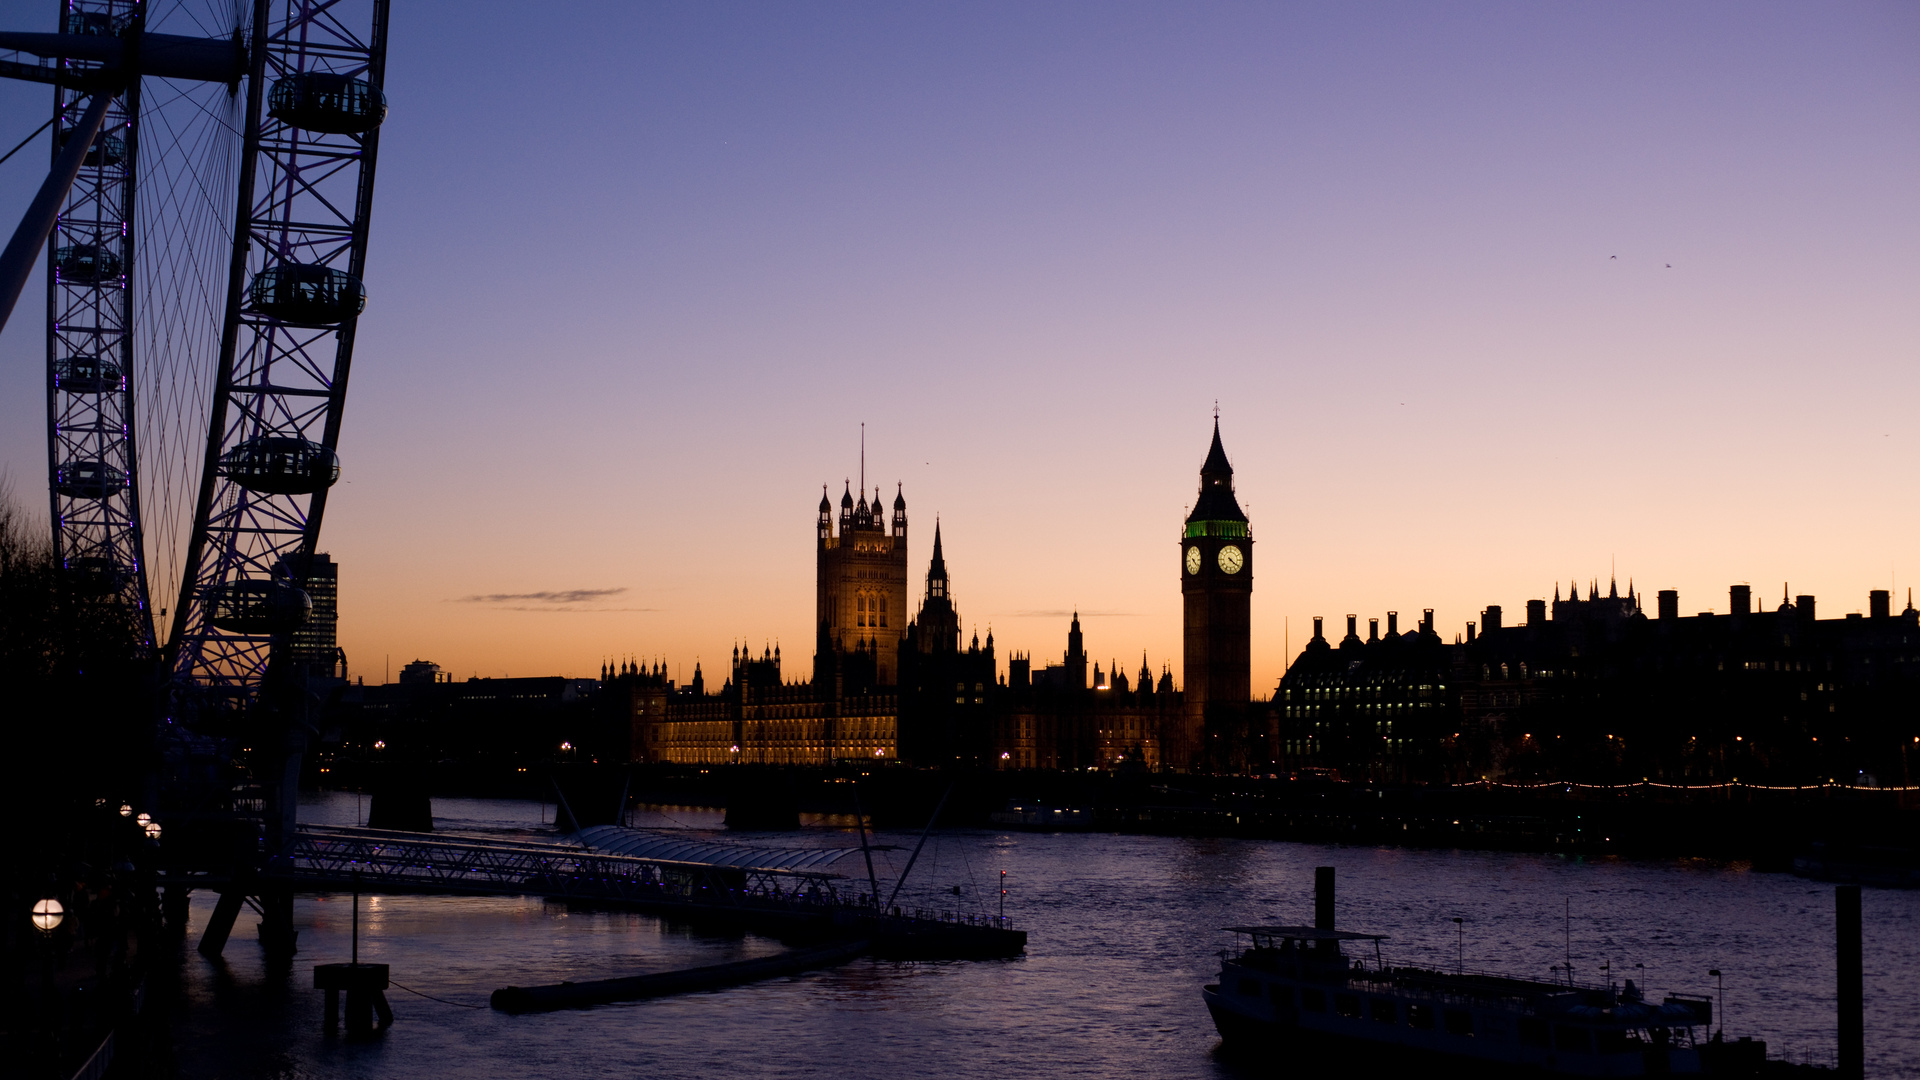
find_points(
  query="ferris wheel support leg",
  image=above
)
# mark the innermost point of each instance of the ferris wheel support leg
(16, 263)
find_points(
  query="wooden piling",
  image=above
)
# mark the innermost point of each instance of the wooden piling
(1851, 991)
(1323, 897)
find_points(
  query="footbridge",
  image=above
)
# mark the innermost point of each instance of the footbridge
(787, 892)
(643, 867)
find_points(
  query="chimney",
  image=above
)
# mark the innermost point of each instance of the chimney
(1353, 622)
(1536, 612)
(1426, 621)
(1803, 607)
(1393, 624)
(1669, 603)
(1490, 618)
(1373, 629)
(1317, 621)
(1879, 604)
(1742, 599)
(1469, 633)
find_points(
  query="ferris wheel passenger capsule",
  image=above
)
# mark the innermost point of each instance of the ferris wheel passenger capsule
(256, 606)
(96, 575)
(86, 263)
(89, 480)
(91, 24)
(106, 149)
(88, 375)
(307, 294)
(281, 465)
(327, 103)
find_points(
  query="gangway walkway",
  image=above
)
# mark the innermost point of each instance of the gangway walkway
(779, 891)
(335, 857)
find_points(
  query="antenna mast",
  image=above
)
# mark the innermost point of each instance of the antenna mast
(863, 457)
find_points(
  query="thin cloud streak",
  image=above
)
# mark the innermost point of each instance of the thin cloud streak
(563, 596)
(581, 611)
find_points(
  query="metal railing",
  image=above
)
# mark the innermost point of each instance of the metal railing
(341, 857)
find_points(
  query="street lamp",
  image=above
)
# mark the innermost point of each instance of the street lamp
(153, 830)
(126, 810)
(47, 914)
(144, 819)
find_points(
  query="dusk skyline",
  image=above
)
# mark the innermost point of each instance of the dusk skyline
(1490, 299)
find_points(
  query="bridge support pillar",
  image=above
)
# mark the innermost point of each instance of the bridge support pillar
(277, 934)
(220, 927)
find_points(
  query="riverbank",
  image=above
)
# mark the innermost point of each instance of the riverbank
(1768, 827)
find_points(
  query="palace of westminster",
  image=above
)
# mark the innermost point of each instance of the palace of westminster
(1593, 689)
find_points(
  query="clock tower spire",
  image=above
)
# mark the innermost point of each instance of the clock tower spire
(1216, 586)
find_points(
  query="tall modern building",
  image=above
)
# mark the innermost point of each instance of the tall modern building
(1216, 584)
(317, 644)
(861, 591)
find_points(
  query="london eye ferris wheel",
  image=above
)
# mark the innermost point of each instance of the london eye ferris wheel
(205, 235)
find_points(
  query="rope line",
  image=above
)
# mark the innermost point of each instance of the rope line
(430, 997)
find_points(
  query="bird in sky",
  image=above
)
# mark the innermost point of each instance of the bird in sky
(1613, 256)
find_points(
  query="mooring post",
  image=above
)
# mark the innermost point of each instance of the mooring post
(1848, 969)
(1323, 908)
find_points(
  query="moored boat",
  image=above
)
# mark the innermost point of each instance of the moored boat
(1296, 996)
(1295, 990)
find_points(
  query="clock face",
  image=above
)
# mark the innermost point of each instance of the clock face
(1193, 560)
(1231, 560)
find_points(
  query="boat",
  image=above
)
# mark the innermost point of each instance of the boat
(1316, 999)
(1040, 817)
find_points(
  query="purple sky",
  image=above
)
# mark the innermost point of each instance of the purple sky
(639, 271)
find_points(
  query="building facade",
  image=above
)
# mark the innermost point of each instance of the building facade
(860, 604)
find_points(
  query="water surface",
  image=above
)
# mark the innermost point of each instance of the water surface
(1123, 932)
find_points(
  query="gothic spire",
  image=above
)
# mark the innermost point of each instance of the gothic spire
(1216, 501)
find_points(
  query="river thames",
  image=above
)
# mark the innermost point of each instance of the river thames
(1123, 931)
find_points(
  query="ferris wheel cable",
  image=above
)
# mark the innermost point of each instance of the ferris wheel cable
(28, 139)
(181, 286)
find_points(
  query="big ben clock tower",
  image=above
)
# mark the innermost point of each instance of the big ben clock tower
(1216, 583)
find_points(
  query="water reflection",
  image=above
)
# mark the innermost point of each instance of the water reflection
(1123, 933)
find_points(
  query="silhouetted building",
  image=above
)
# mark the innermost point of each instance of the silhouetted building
(947, 693)
(1216, 586)
(1052, 719)
(316, 643)
(1379, 709)
(1602, 693)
